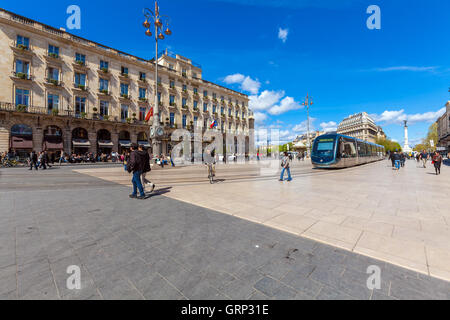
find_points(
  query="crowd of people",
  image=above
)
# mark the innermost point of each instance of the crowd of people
(399, 159)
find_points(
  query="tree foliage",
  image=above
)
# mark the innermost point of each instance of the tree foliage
(432, 135)
(389, 145)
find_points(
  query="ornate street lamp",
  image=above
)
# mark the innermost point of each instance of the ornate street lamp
(308, 102)
(160, 23)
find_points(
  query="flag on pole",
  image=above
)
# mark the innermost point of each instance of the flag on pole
(149, 114)
(213, 124)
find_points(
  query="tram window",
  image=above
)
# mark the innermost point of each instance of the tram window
(348, 148)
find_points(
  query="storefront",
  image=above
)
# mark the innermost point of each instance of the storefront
(53, 142)
(104, 142)
(21, 141)
(124, 142)
(80, 141)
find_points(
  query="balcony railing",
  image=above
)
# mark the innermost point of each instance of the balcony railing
(22, 75)
(11, 107)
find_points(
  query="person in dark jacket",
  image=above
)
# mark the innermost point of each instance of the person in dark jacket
(136, 165)
(147, 169)
(33, 160)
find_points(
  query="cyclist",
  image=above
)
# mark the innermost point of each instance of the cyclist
(210, 162)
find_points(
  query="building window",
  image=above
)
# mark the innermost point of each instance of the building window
(123, 112)
(195, 120)
(104, 84)
(52, 103)
(184, 72)
(184, 120)
(170, 66)
(80, 105)
(222, 110)
(124, 71)
(159, 97)
(172, 118)
(195, 105)
(104, 108)
(172, 100)
(53, 74)
(195, 91)
(22, 97)
(172, 84)
(205, 107)
(80, 79)
(214, 109)
(184, 88)
(229, 126)
(142, 93)
(142, 76)
(142, 113)
(123, 89)
(194, 75)
(183, 102)
(22, 68)
(80, 58)
(214, 96)
(205, 93)
(23, 42)
(229, 112)
(104, 65)
(53, 51)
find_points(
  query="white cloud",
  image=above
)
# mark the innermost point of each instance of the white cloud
(398, 116)
(406, 68)
(303, 127)
(287, 104)
(247, 83)
(260, 117)
(329, 126)
(265, 100)
(283, 34)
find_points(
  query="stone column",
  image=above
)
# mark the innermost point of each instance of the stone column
(67, 140)
(133, 137)
(115, 140)
(4, 139)
(38, 139)
(93, 140)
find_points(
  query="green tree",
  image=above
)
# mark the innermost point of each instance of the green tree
(389, 145)
(432, 135)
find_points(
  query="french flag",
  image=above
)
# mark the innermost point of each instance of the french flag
(213, 124)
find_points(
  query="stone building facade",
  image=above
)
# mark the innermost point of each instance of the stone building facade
(62, 92)
(443, 127)
(361, 126)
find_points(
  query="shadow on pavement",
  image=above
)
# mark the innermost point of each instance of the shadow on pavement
(158, 192)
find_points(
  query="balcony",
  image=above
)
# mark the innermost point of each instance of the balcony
(103, 92)
(80, 65)
(22, 50)
(124, 77)
(21, 76)
(104, 73)
(53, 83)
(125, 97)
(53, 58)
(80, 88)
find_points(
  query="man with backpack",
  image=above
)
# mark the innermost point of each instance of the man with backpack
(285, 164)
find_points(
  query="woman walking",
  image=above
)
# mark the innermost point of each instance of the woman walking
(437, 161)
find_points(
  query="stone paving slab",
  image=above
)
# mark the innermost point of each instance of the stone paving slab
(398, 217)
(163, 248)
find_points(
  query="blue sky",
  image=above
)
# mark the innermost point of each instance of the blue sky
(277, 51)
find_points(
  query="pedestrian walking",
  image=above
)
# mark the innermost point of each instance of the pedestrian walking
(285, 164)
(136, 166)
(437, 161)
(41, 160)
(424, 156)
(33, 160)
(147, 168)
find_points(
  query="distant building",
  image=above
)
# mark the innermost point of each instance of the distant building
(301, 142)
(443, 127)
(361, 126)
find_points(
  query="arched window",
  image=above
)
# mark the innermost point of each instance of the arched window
(103, 135)
(21, 130)
(80, 133)
(142, 136)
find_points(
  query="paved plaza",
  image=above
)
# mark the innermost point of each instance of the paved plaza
(248, 236)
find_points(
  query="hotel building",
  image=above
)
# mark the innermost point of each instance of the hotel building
(59, 92)
(361, 126)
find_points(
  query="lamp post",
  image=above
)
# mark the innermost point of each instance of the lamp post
(160, 22)
(308, 102)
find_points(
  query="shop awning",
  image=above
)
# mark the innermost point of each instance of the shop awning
(105, 144)
(53, 145)
(145, 144)
(21, 143)
(125, 143)
(81, 143)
